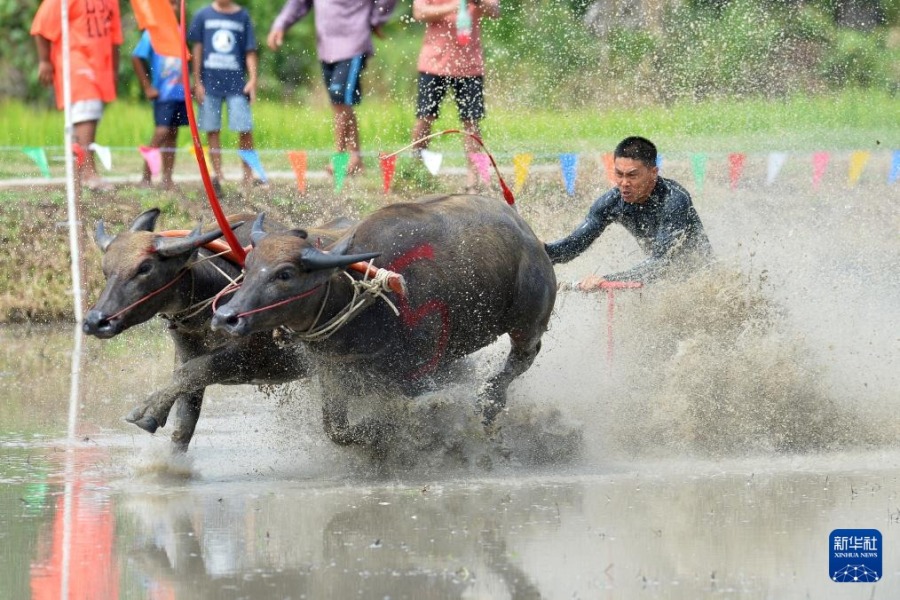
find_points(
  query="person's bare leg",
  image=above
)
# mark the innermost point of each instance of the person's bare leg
(245, 142)
(471, 146)
(167, 142)
(214, 140)
(85, 134)
(422, 129)
(346, 131)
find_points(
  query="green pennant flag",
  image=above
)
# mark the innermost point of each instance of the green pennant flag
(40, 157)
(339, 164)
(698, 162)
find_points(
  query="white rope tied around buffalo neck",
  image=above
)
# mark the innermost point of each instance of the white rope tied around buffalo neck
(365, 292)
(196, 308)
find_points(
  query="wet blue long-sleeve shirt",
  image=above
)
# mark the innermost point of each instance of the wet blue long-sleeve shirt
(666, 227)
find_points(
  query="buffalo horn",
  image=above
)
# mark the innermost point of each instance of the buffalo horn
(102, 238)
(175, 246)
(314, 260)
(146, 221)
(256, 231)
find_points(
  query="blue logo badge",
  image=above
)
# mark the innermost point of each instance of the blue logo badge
(855, 555)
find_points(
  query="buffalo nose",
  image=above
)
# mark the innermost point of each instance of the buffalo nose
(225, 318)
(94, 320)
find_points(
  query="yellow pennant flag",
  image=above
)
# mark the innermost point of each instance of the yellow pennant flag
(858, 162)
(193, 152)
(521, 163)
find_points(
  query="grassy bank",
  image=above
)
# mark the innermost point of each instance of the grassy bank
(847, 120)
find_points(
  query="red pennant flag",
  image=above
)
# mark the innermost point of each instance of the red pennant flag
(298, 164)
(609, 165)
(388, 166)
(736, 167)
(158, 18)
(820, 163)
(79, 152)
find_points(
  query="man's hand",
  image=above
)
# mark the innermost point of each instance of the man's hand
(199, 92)
(275, 39)
(151, 92)
(378, 32)
(45, 72)
(250, 91)
(590, 283)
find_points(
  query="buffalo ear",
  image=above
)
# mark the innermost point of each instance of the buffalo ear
(146, 221)
(316, 260)
(256, 230)
(102, 238)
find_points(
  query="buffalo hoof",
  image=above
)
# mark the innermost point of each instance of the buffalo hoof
(145, 422)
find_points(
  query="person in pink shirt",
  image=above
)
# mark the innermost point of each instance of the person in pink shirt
(344, 31)
(95, 34)
(452, 60)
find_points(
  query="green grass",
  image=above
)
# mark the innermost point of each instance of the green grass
(842, 121)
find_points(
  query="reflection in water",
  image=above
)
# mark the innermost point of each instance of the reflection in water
(79, 560)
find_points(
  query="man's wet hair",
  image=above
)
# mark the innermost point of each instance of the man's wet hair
(637, 148)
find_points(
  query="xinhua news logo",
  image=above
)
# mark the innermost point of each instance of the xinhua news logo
(855, 555)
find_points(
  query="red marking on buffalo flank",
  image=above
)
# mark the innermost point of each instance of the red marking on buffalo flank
(412, 317)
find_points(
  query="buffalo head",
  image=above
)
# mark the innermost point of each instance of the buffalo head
(285, 282)
(141, 268)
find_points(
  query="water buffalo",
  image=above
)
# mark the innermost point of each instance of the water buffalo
(148, 274)
(473, 268)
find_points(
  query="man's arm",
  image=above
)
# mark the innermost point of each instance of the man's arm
(599, 216)
(45, 66)
(140, 69)
(489, 8)
(252, 67)
(291, 12)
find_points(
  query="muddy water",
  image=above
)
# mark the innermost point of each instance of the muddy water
(736, 419)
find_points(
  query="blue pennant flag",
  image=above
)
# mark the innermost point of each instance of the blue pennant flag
(659, 161)
(569, 164)
(895, 167)
(252, 159)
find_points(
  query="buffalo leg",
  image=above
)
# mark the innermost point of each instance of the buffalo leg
(521, 355)
(188, 413)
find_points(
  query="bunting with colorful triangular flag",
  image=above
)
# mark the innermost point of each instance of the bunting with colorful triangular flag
(521, 164)
(858, 162)
(39, 156)
(736, 162)
(103, 153)
(153, 157)
(432, 161)
(482, 165)
(297, 159)
(569, 164)
(609, 167)
(251, 157)
(339, 162)
(819, 165)
(698, 165)
(388, 164)
(776, 160)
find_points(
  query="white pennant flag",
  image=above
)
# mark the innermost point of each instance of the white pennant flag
(432, 161)
(776, 161)
(103, 154)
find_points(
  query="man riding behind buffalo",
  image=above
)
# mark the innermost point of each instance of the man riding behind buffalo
(657, 211)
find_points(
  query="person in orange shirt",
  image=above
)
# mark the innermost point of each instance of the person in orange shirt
(452, 59)
(95, 34)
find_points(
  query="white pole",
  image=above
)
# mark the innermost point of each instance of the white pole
(75, 375)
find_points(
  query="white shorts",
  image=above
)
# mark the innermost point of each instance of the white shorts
(87, 110)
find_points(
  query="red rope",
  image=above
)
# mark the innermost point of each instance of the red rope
(148, 296)
(232, 240)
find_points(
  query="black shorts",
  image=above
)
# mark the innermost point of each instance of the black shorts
(342, 80)
(170, 114)
(468, 92)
